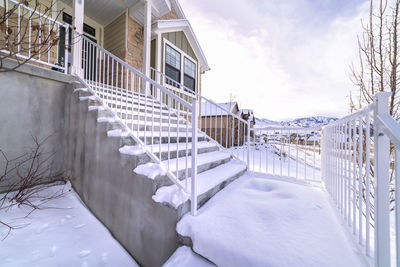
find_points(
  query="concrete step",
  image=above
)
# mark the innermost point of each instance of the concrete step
(205, 162)
(126, 100)
(157, 127)
(209, 183)
(140, 109)
(172, 138)
(181, 149)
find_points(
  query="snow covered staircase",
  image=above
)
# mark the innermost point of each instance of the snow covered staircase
(169, 138)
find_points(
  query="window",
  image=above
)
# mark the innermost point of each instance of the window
(172, 65)
(179, 68)
(189, 78)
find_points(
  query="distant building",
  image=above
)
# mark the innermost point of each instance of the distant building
(219, 123)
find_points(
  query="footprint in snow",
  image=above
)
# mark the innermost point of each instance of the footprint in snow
(84, 253)
(104, 257)
(53, 250)
(42, 228)
(68, 217)
(79, 226)
(84, 264)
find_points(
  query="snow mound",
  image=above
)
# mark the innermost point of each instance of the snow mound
(256, 221)
(151, 170)
(117, 133)
(131, 150)
(106, 119)
(184, 257)
(172, 195)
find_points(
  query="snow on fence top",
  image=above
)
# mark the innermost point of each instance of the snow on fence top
(209, 109)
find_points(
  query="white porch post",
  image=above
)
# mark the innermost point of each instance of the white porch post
(147, 38)
(78, 7)
(158, 55)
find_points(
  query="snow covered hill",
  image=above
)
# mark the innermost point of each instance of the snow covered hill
(313, 121)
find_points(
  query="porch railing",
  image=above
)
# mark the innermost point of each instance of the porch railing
(29, 35)
(360, 170)
(217, 122)
(129, 94)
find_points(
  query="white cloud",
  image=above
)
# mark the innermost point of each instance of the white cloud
(275, 57)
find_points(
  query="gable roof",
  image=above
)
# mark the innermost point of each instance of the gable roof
(248, 112)
(208, 109)
(175, 25)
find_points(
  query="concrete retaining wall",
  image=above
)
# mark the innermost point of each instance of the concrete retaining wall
(39, 102)
(32, 104)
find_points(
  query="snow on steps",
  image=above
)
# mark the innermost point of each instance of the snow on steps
(177, 148)
(216, 169)
(184, 256)
(209, 183)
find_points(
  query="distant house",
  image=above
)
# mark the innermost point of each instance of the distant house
(248, 115)
(220, 125)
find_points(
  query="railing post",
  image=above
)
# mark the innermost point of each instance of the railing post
(76, 68)
(323, 155)
(193, 194)
(66, 49)
(381, 170)
(248, 145)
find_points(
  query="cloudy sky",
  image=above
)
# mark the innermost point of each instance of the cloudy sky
(281, 58)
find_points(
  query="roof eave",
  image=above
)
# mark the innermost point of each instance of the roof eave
(163, 26)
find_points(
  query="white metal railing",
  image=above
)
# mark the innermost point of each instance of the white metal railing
(153, 124)
(360, 168)
(285, 151)
(217, 122)
(33, 36)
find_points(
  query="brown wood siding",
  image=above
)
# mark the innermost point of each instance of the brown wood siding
(226, 130)
(114, 35)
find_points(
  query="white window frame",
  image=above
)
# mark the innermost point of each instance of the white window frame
(183, 55)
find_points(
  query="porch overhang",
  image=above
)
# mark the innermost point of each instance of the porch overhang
(105, 11)
(164, 26)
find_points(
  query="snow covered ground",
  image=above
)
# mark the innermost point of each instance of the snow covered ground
(265, 220)
(65, 235)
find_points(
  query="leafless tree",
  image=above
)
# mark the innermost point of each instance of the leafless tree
(29, 33)
(378, 52)
(24, 178)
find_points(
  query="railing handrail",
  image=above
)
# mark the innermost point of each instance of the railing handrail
(390, 127)
(40, 14)
(350, 116)
(141, 75)
(284, 128)
(200, 96)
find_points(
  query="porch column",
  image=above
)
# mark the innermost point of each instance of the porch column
(147, 37)
(78, 8)
(158, 57)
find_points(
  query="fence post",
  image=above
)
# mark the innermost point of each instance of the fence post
(193, 194)
(248, 145)
(381, 170)
(322, 144)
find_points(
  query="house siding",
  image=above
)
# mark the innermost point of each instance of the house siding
(134, 53)
(114, 36)
(179, 40)
(170, 15)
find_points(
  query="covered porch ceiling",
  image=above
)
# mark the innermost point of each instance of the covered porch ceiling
(105, 11)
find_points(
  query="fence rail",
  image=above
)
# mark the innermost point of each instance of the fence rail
(33, 36)
(131, 96)
(360, 167)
